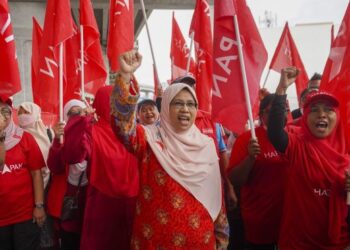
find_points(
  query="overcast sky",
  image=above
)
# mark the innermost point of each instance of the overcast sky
(295, 12)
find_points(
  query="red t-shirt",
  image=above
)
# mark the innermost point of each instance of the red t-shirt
(315, 211)
(262, 194)
(16, 187)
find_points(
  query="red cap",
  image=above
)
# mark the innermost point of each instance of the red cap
(319, 96)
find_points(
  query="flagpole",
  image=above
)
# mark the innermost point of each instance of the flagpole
(60, 85)
(244, 76)
(267, 76)
(149, 38)
(189, 53)
(82, 77)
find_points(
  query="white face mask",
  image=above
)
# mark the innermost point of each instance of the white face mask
(25, 120)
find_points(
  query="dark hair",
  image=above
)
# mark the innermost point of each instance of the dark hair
(145, 102)
(187, 79)
(304, 93)
(316, 77)
(265, 102)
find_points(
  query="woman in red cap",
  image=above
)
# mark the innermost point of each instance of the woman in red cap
(315, 210)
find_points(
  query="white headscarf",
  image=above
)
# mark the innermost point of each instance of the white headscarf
(189, 157)
(35, 126)
(70, 104)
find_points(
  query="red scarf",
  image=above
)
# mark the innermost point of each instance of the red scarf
(114, 171)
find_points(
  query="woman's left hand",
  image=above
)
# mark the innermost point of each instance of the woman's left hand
(39, 216)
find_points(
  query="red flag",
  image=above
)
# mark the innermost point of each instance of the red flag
(58, 27)
(48, 118)
(228, 91)
(179, 53)
(336, 74)
(72, 63)
(201, 28)
(37, 34)
(10, 82)
(287, 55)
(95, 70)
(120, 30)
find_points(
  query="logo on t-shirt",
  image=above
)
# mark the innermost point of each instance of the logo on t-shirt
(270, 155)
(10, 168)
(322, 192)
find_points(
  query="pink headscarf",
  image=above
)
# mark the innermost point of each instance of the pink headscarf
(13, 135)
(189, 157)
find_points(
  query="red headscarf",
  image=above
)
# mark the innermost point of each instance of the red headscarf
(113, 169)
(315, 199)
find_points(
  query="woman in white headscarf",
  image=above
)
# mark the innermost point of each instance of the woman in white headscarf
(29, 118)
(179, 169)
(69, 180)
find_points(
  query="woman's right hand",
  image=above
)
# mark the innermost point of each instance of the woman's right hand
(253, 148)
(288, 76)
(58, 129)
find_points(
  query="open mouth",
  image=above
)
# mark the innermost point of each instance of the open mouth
(184, 119)
(321, 125)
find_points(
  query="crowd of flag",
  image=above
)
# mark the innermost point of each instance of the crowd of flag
(228, 57)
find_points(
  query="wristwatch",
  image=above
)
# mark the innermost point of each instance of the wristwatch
(39, 205)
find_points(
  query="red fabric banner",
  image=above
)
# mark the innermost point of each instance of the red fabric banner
(203, 39)
(336, 74)
(58, 27)
(179, 53)
(120, 30)
(37, 34)
(228, 91)
(287, 55)
(49, 119)
(95, 73)
(10, 82)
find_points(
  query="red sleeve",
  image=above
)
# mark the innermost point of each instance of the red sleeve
(54, 160)
(77, 139)
(33, 153)
(239, 150)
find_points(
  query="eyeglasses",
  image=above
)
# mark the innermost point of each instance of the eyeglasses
(74, 113)
(5, 111)
(181, 105)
